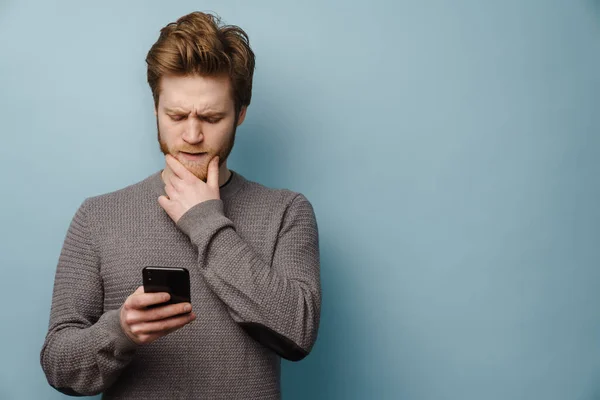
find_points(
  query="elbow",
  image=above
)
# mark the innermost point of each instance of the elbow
(292, 355)
(74, 389)
(70, 387)
(283, 346)
(298, 342)
(71, 392)
(64, 382)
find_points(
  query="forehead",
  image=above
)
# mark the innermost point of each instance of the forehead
(195, 92)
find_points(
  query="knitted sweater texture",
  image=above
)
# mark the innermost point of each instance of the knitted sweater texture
(253, 258)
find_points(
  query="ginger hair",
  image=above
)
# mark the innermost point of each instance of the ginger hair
(199, 44)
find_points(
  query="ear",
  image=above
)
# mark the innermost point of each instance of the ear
(242, 115)
(155, 111)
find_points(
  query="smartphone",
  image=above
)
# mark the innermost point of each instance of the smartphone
(173, 280)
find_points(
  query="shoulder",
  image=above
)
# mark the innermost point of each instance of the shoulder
(130, 196)
(276, 200)
(261, 194)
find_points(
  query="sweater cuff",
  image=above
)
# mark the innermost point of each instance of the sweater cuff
(203, 220)
(112, 323)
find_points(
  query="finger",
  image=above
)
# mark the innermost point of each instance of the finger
(213, 173)
(163, 325)
(139, 290)
(170, 207)
(143, 300)
(154, 336)
(170, 191)
(178, 169)
(171, 179)
(158, 313)
(166, 173)
(166, 312)
(164, 202)
(168, 331)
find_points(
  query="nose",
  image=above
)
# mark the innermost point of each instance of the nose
(193, 131)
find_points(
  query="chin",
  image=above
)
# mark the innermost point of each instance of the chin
(200, 172)
(200, 176)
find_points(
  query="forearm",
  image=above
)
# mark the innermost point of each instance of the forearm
(85, 348)
(277, 303)
(280, 309)
(86, 360)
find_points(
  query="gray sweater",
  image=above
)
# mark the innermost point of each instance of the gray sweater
(253, 258)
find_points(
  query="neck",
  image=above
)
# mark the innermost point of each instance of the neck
(224, 174)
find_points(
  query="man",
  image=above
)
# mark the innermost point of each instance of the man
(252, 252)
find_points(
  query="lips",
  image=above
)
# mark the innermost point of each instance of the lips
(192, 156)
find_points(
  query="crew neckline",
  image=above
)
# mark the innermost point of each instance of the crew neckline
(226, 191)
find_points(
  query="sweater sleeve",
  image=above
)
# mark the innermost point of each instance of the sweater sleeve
(85, 349)
(277, 303)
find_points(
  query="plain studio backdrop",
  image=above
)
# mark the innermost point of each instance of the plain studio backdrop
(449, 148)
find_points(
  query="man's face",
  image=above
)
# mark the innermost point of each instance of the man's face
(196, 120)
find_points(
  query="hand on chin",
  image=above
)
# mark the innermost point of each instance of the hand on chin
(184, 189)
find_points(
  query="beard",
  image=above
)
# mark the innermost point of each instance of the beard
(200, 168)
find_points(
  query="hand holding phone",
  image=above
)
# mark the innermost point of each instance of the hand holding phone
(145, 317)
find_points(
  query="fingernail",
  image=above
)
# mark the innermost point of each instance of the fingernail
(187, 308)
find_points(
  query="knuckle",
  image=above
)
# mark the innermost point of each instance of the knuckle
(159, 315)
(136, 330)
(129, 319)
(163, 326)
(132, 304)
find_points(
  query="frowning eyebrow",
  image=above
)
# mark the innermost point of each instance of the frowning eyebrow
(206, 114)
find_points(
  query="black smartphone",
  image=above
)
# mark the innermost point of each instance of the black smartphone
(173, 280)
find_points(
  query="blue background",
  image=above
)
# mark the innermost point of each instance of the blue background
(449, 148)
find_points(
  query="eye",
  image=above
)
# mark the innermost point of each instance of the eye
(213, 120)
(176, 117)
